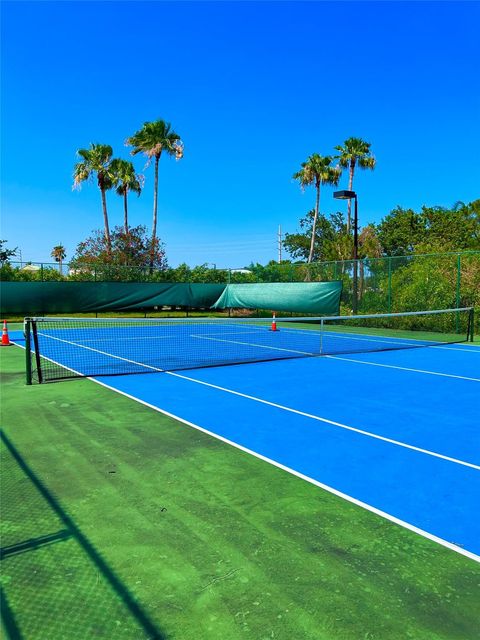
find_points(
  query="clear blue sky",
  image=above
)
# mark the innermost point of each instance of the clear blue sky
(253, 89)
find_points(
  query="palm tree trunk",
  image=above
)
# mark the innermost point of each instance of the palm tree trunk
(125, 223)
(154, 223)
(125, 212)
(105, 222)
(315, 218)
(349, 206)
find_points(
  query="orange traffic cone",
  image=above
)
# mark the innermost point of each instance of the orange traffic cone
(5, 339)
(274, 323)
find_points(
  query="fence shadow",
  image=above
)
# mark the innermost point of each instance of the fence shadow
(55, 583)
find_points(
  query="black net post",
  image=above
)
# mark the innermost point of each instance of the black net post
(28, 351)
(36, 346)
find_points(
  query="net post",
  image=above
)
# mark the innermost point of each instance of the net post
(37, 351)
(321, 336)
(28, 351)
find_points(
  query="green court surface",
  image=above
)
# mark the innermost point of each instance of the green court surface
(119, 522)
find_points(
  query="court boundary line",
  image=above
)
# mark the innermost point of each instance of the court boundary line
(393, 366)
(328, 421)
(277, 406)
(335, 357)
(254, 344)
(345, 496)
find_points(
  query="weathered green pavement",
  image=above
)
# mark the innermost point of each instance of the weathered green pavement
(119, 522)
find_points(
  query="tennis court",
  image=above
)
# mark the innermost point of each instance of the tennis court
(384, 421)
(375, 418)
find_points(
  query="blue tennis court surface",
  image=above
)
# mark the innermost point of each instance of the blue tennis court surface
(425, 469)
(395, 431)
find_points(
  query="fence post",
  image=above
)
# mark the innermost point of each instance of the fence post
(457, 296)
(389, 303)
(459, 277)
(41, 271)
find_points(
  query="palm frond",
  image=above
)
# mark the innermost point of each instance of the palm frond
(355, 151)
(124, 178)
(81, 173)
(343, 161)
(154, 138)
(367, 162)
(317, 170)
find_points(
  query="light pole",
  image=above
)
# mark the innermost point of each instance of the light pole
(351, 195)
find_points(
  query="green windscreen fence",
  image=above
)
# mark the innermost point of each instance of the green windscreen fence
(31, 298)
(321, 298)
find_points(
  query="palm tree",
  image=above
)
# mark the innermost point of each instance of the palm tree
(96, 160)
(59, 254)
(317, 170)
(125, 180)
(354, 151)
(152, 139)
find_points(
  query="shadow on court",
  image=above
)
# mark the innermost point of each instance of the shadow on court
(54, 583)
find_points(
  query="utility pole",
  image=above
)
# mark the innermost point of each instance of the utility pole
(279, 243)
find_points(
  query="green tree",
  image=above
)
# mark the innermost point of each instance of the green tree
(153, 139)
(354, 151)
(125, 180)
(59, 254)
(369, 245)
(400, 231)
(317, 170)
(127, 250)
(450, 229)
(5, 253)
(433, 229)
(96, 161)
(331, 240)
(182, 273)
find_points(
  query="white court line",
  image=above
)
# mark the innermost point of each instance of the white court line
(326, 355)
(364, 505)
(122, 339)
(399, 342)
(345, 335)
(104, 353)
(135, 338)
(248, 344)
(327, 421)
(364, 337)
(369, 338)
(472, 349)
(312, 416)
(393, 366)
(253, 344)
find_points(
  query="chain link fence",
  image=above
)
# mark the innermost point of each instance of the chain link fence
(384, 285)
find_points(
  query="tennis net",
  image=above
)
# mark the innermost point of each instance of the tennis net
(60, 348)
